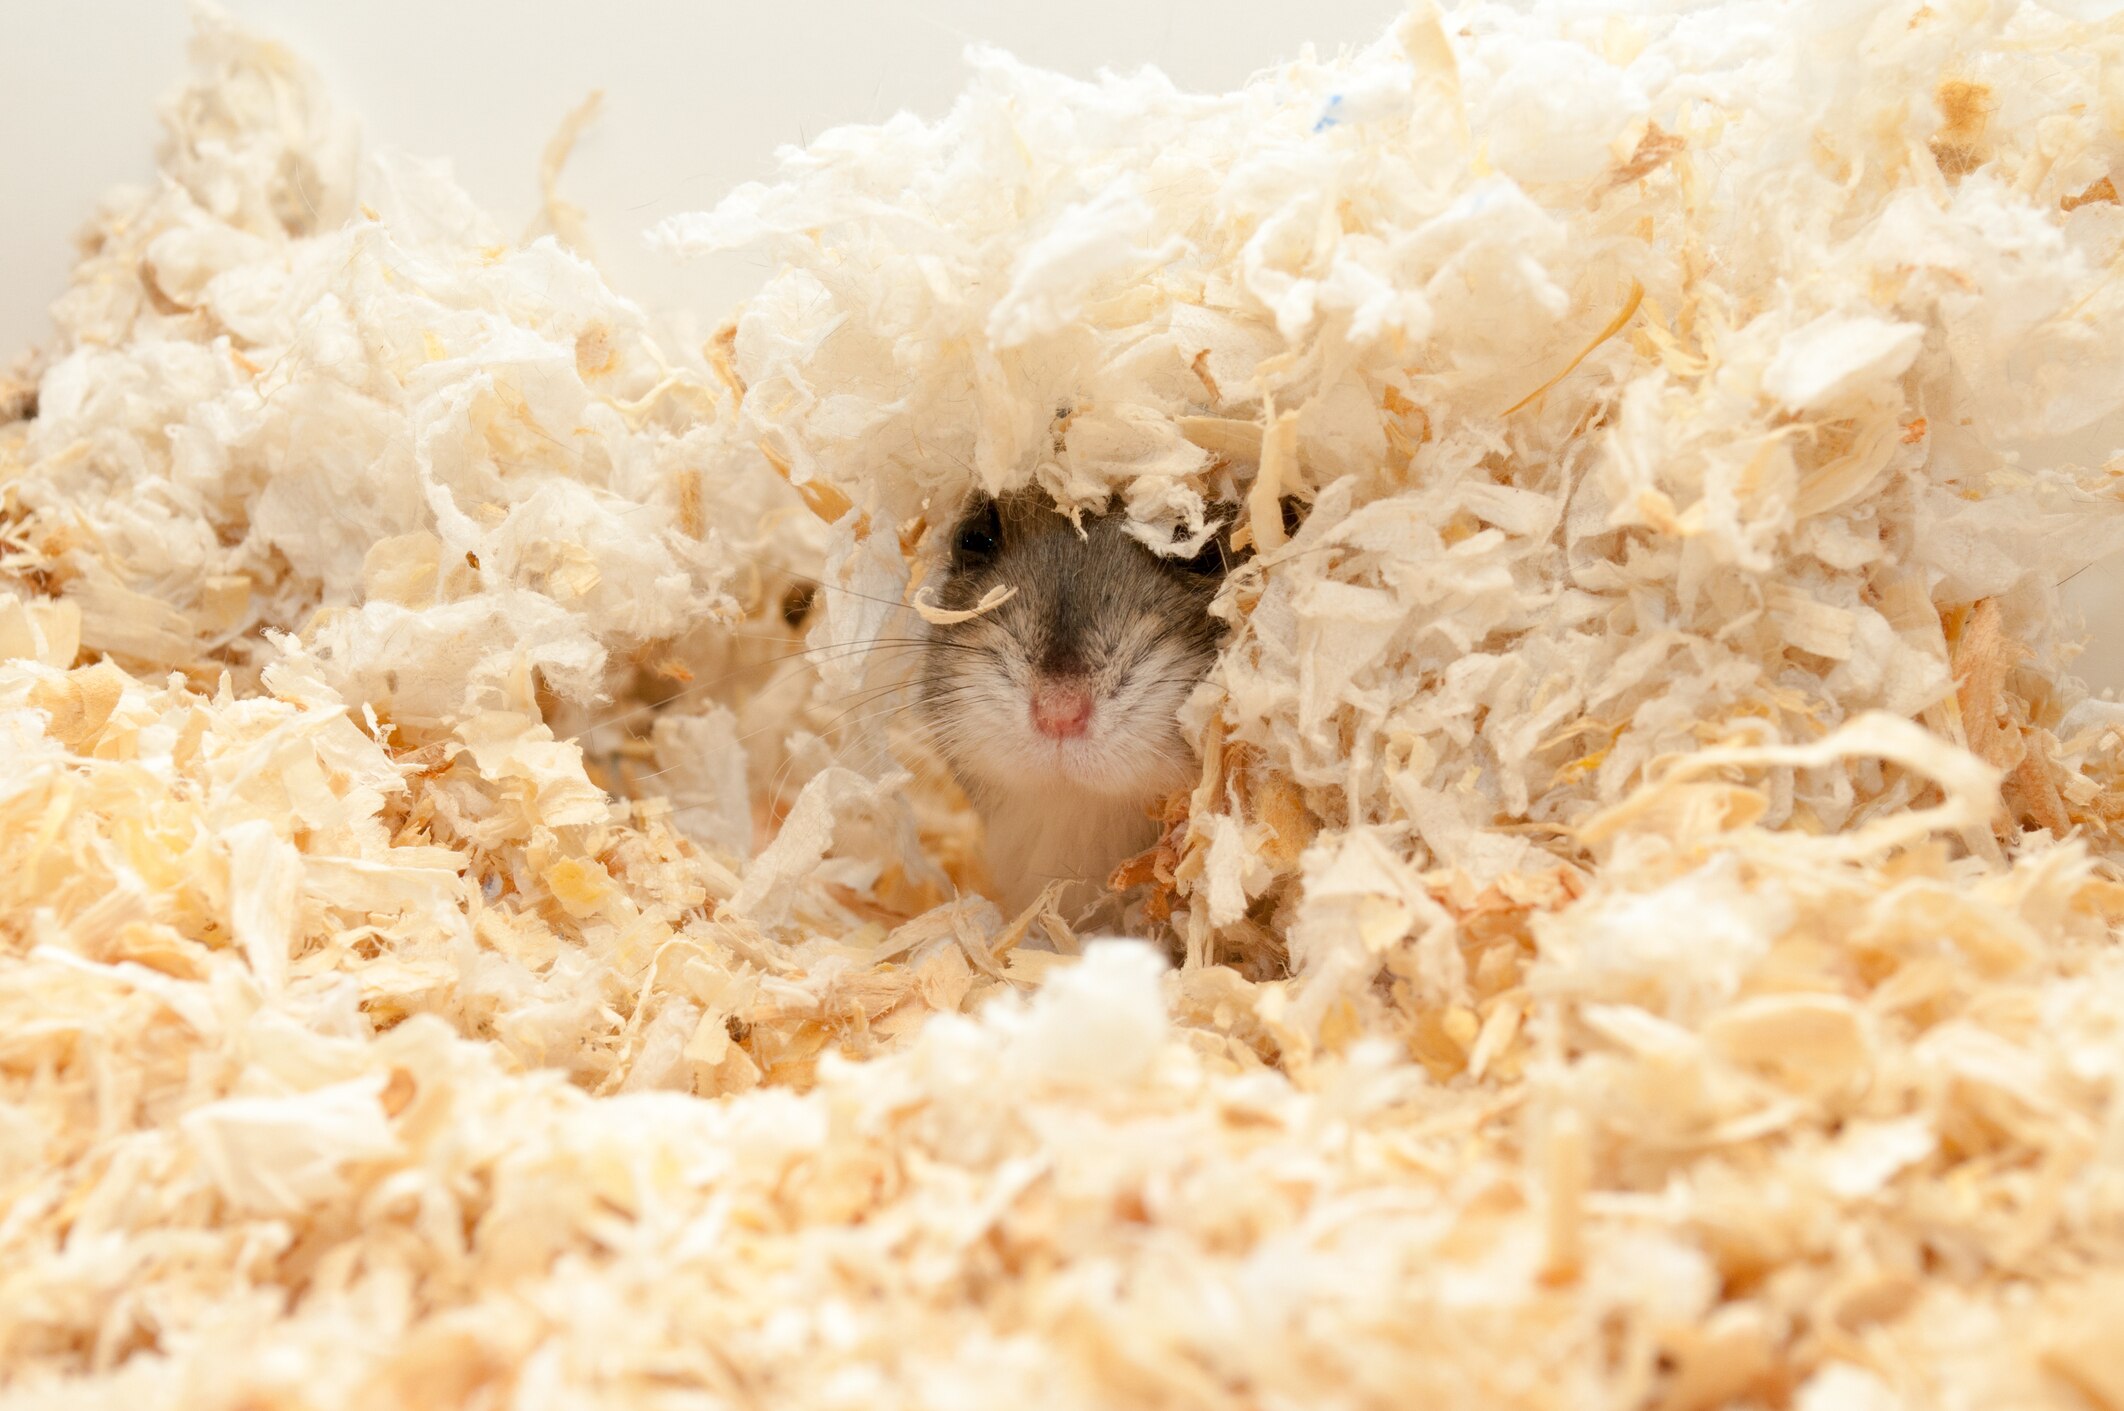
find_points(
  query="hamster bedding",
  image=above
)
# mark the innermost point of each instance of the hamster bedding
(1646, 930)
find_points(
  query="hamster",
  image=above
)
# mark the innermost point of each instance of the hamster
(1057, 709)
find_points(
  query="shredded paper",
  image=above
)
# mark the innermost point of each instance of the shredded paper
(476, 929)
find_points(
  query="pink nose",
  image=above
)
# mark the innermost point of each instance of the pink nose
(1061, 709)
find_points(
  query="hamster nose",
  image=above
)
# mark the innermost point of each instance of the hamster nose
(1061, 709)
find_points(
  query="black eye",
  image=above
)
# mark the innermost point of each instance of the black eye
(978, 537)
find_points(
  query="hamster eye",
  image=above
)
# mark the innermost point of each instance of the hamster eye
(977, 538)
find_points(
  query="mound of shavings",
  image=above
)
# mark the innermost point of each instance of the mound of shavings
(1668, 875)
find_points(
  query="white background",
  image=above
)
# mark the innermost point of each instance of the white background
(697, 97)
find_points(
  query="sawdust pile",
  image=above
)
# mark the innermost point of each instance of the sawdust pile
(1650, 906)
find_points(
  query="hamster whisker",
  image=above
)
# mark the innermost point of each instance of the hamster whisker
(833, 652)
(840, 751)
(811, 580)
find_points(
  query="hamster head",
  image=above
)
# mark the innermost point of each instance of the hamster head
(1060, 704)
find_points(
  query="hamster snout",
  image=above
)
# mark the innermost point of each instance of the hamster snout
(1061, 709)
(1057, 709)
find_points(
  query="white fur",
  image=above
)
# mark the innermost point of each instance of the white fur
(1070, 810)
(1035, 838)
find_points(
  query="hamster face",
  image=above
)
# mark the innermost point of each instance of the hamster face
(1070, 689)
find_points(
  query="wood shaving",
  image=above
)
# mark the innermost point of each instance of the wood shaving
(470, 937)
